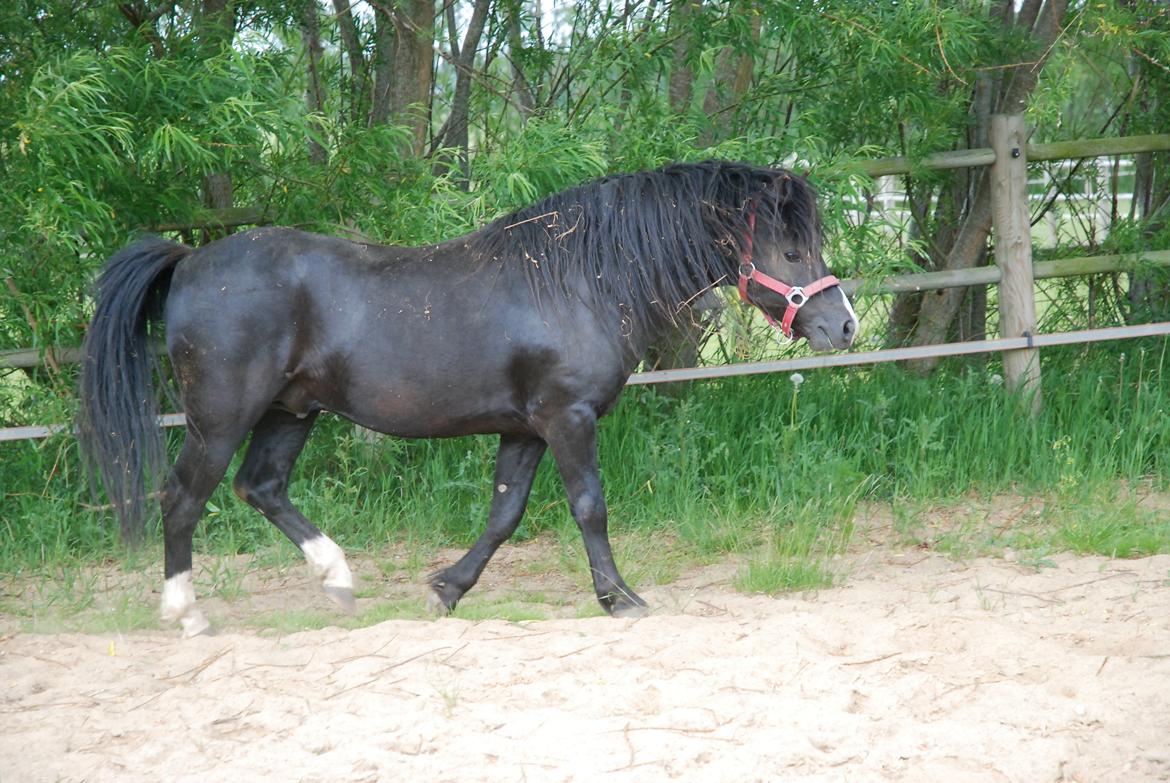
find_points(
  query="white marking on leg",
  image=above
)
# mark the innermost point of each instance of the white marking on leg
(328, 562)
(853, 315)
(178, 605)
(178, 596)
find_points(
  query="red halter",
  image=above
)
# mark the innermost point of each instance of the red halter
(796, 296)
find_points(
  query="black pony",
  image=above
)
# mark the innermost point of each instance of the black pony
(527, 328)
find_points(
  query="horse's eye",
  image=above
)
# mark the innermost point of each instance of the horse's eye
(792, 255)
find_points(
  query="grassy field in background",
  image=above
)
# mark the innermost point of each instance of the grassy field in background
(760, 467)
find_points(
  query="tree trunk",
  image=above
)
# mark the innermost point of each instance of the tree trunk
(938, 308)
(413, 74)
(355, 54)
(456, 134)
(730, 82)
(385, 43)
(1148, 297)
(682, 76)
(215, 23)
(314, 88)
(144, 23)
(217, 194)
(215, 26)
(525, 97)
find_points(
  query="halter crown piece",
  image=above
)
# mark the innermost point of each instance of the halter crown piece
(795, 296)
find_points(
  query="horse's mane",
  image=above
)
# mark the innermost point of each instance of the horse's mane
(653, 239)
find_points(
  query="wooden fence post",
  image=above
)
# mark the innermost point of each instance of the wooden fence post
(1013, 252)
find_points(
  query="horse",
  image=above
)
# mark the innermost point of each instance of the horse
(527, 328)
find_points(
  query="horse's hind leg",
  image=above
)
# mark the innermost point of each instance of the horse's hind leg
(276, 443)
(199, 468)
(516, 463)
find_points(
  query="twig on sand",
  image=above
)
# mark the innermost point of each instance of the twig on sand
(677, 730)
(36, 657)
(871, 660)
(237, 716)
(378, 674)
(713, 607)
(447, 661)
(1025, 594)
(1114, 575)
(375, 654)
(144, 702)
(376, 678)
(195, 672)
(586, 647)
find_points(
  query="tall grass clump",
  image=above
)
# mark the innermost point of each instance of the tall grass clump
(721, 464)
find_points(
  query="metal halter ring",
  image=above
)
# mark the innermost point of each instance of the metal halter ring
(796, 297)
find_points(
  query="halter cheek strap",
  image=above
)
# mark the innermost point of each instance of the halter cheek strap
(795, 296)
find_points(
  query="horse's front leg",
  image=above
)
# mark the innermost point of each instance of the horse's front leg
(572, 435)
(516, 463)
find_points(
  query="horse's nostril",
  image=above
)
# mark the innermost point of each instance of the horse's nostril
(848, 328)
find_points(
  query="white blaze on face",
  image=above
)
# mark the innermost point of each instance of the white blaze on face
(178, 604)
(853, 315)
(328, 562)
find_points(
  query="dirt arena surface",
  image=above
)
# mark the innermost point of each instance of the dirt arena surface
(917, 668)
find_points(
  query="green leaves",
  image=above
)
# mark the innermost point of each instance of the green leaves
(544, 157)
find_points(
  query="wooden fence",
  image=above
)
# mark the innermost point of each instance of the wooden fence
(1014, 273)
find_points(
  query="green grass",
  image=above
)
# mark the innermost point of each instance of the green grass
(295, 620)
(800, 555)
(784, 574)
(1100, 520)
(1114, 531)
(506, 609)
(741, 465)
(122, 617)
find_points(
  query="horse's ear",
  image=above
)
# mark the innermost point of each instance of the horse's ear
(784, 190)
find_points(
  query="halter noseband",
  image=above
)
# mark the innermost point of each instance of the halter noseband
(795, 296)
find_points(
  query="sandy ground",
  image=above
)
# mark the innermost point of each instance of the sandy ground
(918, 668)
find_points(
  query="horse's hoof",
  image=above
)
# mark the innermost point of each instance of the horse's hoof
(343, 597)
(195, 624)
(435, 603)
(443, 595)
(624, 603)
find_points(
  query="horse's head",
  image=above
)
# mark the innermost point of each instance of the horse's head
(782, 271)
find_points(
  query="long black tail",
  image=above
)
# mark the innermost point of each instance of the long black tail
(117, 421)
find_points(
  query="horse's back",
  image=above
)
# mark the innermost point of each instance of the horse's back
(411, 341)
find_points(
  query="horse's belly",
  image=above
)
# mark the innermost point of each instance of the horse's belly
(413, 410)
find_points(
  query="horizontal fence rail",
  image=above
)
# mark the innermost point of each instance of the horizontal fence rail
(990, 275)
(902, 354)
(38, 431)
(822, 361)
(985, 156)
